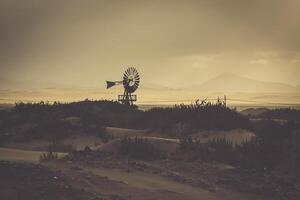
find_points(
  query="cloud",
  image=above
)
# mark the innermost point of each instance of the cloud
(170, 42)
(259, 61)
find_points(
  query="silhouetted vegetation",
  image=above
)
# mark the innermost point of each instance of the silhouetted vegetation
(51, 154)
(139, 148)
(186, 119)
(270, 148)
(27, 121)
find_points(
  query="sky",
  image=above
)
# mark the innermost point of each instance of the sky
(176, 43)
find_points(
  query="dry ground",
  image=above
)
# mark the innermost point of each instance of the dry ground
(51, 180)
(96, 175)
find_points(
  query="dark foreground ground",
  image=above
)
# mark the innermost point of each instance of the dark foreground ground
(33, 181)
(98, 175)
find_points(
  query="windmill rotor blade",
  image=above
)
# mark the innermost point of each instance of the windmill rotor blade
(134, 86)
(126, 73)
(126, 76)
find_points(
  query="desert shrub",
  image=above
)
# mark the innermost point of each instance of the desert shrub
(48, 156)
(106, 137)
(219, 149)
(51, 154)
(27, 121)
(270, 148)
(186, 119)
(90, 113)
(139, 148)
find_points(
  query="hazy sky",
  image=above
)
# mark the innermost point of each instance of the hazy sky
(172, 43)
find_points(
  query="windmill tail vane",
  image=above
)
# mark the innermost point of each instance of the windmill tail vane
(110, 84)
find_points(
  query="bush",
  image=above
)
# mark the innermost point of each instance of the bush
(48, 156)
(270, 148)
(186, 119)
(27, 121)
(218, 149)
(139, 148)
(51, 154)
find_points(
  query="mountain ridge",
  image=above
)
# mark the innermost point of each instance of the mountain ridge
(230, 82)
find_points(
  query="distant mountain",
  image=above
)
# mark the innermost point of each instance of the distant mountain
(229, 82)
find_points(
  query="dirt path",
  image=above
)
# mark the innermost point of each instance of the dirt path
(154, 185)
(163, 186)
(121, 132)
(21, 155)
(145, 186)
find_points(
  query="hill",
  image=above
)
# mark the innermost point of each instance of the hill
(229, 82)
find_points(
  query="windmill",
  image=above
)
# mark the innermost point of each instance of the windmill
(131, 81)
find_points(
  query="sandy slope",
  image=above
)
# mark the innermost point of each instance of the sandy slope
(121, 132)
(77, 142)
(21, 155)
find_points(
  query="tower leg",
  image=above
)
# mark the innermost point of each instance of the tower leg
(130, 99)
(126, 99)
